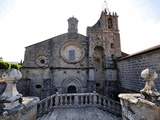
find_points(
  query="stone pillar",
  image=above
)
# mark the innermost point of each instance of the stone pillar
(91, 82)
(72, 25)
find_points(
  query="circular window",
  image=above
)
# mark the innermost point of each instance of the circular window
(72, 52)
(42, 61)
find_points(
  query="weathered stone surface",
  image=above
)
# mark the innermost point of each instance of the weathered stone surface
(135, 107)
(79, 114)
(149, 91)
(26, 111)
(48, 68)
(10, 97)
(131, 67)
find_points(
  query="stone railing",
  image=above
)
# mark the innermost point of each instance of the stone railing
(78, 100)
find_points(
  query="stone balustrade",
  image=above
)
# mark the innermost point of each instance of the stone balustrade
(78, 100)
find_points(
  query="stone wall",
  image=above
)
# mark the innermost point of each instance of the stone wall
(50, 51)
(46, 67)
(63, 78)
(131, 67)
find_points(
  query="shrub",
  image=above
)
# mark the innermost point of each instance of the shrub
(4, 65)
(14, 66)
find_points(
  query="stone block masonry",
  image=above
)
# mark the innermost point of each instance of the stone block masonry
(131, 67)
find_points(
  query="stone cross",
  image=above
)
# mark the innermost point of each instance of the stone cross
(149, 91)
(105, 6)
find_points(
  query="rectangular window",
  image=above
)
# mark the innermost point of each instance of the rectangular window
(71, 54)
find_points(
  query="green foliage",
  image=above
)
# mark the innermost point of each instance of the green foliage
(19, 66)
(4, 65)
(14, 66)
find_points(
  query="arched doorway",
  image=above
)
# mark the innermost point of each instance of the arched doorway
(71, 89)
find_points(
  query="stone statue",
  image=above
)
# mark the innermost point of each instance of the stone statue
(149, 91)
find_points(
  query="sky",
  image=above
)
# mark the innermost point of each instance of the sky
(25, 22)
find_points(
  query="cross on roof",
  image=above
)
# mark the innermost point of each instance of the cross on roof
(105, 6)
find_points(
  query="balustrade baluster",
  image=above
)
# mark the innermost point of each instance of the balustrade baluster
(51, 103)
(56, 100)
(81, 100)
(104, 102)
(65, 100)
(61, 100)
(95, 99)
(76, 100)
(85, 99)
(46, 105)
(109, 104)
(70, 99)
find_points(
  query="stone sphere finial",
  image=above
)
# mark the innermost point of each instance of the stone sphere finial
(149, 75)
(12, 74)
(149, 91)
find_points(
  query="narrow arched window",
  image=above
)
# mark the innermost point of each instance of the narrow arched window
(110, 23)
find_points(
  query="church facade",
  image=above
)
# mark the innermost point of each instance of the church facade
(75, 63)
(71, 62)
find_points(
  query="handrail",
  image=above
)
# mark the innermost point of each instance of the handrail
(78, 100)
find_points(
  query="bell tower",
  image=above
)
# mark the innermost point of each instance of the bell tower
(72, 25)
(104, 48)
